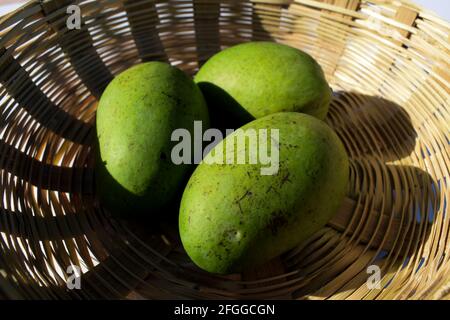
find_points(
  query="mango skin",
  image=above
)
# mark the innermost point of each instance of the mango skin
(136, 116)
(233, 218)
(255, 79)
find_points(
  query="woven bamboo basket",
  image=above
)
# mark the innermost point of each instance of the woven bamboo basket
(388, 64)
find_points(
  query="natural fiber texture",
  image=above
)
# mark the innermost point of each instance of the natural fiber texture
(388, 63)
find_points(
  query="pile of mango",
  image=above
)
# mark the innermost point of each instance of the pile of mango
(233, 215)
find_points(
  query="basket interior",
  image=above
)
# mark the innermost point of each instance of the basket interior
(387, 62)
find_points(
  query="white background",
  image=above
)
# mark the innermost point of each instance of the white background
(440, 7)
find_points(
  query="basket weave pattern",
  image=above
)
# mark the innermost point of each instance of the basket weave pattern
(388, 63)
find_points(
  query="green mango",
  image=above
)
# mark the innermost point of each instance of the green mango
(255, 79)
(136, 116)
(233, 217)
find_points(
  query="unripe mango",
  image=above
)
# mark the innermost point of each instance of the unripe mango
(136, 116)
(255, 79)
(233, 217)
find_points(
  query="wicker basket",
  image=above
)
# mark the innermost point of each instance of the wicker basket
(388, 63)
